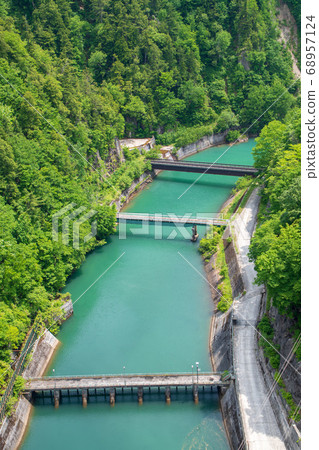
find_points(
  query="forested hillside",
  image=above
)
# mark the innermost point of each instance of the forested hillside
(276, 245)
(75, 75)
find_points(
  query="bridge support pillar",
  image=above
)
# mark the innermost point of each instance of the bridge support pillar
(195, 393)
(140, 395)
(56, 397)
(29, 396)
(112, 396)
(195, 234)
(168, 395)
(84, 398)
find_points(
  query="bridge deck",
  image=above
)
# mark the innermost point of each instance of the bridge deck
(204, 167)
(123, 381)
(135, 217)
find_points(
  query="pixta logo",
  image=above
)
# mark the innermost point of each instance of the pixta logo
(78, 218)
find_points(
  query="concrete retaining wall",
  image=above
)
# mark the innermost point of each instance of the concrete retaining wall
(14, 427)
(236, 280)
(43, 350)
(221, 345)
(67, 307)
(135, 186)
(202, 144)
(222, 359)
(231, 415)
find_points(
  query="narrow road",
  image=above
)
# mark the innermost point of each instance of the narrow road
(260, 426)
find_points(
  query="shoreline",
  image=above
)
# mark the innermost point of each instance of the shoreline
(44, 369)
(14, 428)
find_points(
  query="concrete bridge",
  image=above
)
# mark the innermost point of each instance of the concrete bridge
(110, 386)
(204, 167)
(171, 218)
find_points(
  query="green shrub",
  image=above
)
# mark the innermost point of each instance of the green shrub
(266, 342)
(224, 304)
(232, 136)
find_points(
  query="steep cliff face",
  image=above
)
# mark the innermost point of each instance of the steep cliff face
(287, 414)
(289, 34)
(283, 337)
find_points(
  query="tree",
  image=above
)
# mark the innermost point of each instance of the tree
(279, 268)
(290, 201)
(8, 171)
(270, 144)
(105, 219)
(223, 40)
(98, 65)
(226, 120)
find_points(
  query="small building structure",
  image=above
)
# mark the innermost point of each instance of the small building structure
(166, 152)
(140, 144)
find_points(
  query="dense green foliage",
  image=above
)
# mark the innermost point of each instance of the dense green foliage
(276, 245)
(295, 8)
(147, 66)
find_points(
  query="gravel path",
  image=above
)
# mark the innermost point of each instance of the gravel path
(260, 425)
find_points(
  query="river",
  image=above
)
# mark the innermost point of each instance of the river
(150, 312)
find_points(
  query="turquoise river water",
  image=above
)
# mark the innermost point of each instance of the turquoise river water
(150, 312)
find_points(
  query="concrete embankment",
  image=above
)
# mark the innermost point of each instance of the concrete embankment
(136, 186)
(14, 427)
(204, 143)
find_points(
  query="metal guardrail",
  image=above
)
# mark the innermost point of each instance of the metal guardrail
(19, 366)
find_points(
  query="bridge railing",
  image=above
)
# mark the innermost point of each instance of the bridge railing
(205, 163)
(127, 375)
